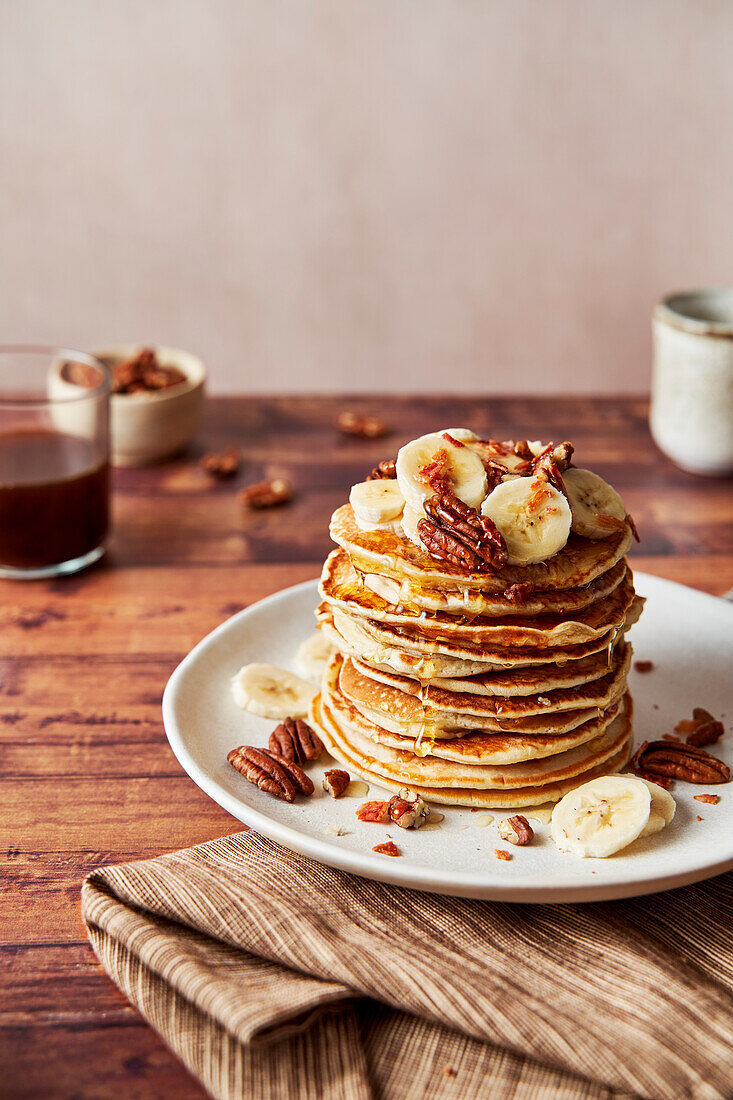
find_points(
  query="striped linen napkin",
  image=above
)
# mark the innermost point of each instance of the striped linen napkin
(272, 976)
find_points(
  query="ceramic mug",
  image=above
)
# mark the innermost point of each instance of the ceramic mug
(691, 415)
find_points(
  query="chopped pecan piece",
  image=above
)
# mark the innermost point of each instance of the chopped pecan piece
(376, 813)
(436, 473)
(643, 666)
(463, 523)
(295, 740)
(408, 810)
(701, 729)
(686, 762)
(363, 427)
(384, 471)
(221, 464)
(516, 830)
(267, 494)
(712, 799)
(335, 782)
(387, 849)
(554, 454)
(518, 593)
(501, 853)
(270, 773)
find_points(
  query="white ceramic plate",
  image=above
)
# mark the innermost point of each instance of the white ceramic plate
(687, 634)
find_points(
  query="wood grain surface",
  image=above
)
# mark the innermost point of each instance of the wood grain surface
(86, 775)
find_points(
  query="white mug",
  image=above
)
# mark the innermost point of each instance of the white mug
(691, 415)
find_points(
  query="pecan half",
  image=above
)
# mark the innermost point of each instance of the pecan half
(408, 810)
(335, 782)
(516, 830)
(554, 454)
(363, 427)
(221, 464)
(477, 533)
(384, 471)
(376, 813)
(270, 773)
(673, 761)
(143, 374)
(387, 849)
(267, 494)
(446, 547)
(295, 740)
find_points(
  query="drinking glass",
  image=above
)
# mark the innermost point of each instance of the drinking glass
(54, 461)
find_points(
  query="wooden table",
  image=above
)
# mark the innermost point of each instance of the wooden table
(87, 777)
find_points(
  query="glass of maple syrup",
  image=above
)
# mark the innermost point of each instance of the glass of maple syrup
(54, 461)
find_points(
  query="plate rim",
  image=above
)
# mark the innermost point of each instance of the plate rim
(373, 867)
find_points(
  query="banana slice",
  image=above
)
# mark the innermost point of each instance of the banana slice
(662, 808)
(272, 692)
(410, 520)
(533, 517)
(598, 510)
(312, 657)
(376, 502)
(601, 817)
(456, 463)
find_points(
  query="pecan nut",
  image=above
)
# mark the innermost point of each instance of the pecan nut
(363, 427)
(446, 547)
(408, 810)
(518, 593)
(702, 729)
(677, 761)
(144, 374)
(270, 773)
(386, 470)
(478, 533)
(335, 782)
(221, 464)
(516, 830)
(376, 813)
(267, 494)
(295, 740)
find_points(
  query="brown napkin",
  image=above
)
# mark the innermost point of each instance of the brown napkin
(272, 976)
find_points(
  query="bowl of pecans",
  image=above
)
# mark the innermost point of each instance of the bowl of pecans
(157, 399)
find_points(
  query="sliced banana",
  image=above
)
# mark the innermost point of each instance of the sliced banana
(601, 817)
(272, 692)
(312, 657)
(461, 467)
(376, 502)
(410, 520)
(533, 517)
(592, 498)
(662, 809)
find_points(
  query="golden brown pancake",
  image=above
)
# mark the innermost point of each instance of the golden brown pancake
(579, 562)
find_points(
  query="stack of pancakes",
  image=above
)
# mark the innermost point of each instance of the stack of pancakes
(465, 689)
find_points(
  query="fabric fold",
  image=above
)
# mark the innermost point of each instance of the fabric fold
(265, 955)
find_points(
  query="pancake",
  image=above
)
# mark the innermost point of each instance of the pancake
(505, 798)
(530, 680)
(476, 747)
(349, 636)
(414, 598)
(497, 655)
(391, 555)
(399, 694)
(341, 588)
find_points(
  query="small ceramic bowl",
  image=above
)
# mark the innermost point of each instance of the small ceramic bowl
(148, 427)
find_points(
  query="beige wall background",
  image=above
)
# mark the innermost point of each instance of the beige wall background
(471, 195)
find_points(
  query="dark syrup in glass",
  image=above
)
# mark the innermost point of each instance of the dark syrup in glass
(54, 498)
